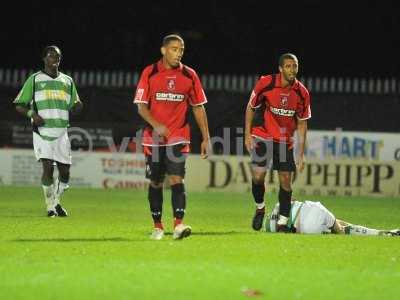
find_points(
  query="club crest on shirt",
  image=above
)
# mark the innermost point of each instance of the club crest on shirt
(284, 100)
(171, 84)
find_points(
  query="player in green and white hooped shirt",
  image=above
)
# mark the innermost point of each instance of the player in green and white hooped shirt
(46, 98)
(312, 217)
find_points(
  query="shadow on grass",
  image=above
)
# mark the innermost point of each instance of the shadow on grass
(22, 216)
(209, 233)
(116, 239)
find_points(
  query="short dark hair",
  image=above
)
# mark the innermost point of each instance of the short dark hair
(48, 48)
(171, 37)
(286, 56)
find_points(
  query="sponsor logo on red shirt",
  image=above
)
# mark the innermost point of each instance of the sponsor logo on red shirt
(160, 96)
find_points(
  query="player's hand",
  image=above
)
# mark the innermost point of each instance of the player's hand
(37, 120)
(77, 108)
(205, 149)
(162, 130)
(300, 163)
(249, 142)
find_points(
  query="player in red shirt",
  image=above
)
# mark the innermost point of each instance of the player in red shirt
(279, 104)
(164, 93)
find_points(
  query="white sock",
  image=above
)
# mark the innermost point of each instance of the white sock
(282, 220)
(48, 191)
(361, 230)
(59, 189)
(260, 205)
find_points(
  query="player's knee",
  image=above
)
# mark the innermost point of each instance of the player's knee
(285, 181)
(286, 187)
(47, 173)
(48, 168)
(258, 178)
(64, 176)
(63, 173)
(175, 180)
(337, 228)
(47, 177)
(156, 184)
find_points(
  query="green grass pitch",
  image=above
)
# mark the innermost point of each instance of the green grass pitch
(103, 251)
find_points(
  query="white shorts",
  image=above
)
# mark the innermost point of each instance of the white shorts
(57, 150)
(315, 218)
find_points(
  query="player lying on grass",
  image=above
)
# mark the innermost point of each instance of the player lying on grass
(312, 217)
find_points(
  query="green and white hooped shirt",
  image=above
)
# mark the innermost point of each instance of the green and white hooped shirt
(51, 98)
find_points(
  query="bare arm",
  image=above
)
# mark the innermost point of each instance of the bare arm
(145, 113)
(248, 139)
(201, 118)
(25, 111)
(22, 109)
(302, 132)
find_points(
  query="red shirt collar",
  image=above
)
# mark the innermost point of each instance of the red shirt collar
(161, 66)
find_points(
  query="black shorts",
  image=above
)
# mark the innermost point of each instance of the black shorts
(267, 154)
(165, 160)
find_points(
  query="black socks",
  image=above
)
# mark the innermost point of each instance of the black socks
(178, 200)
(285, 202)
(156, 202)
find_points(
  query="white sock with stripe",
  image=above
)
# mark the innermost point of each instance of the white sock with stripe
(48, 191)
(59, 189)
(361, 230)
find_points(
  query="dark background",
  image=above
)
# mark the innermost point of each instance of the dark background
(339, 39)
(331, 38)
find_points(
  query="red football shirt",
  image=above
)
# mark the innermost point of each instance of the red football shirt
(168, 93)
(284, 106)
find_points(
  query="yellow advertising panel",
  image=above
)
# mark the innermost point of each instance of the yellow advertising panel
(355, 177)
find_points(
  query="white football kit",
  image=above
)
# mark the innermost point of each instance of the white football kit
(306, 217)
(56, 150)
